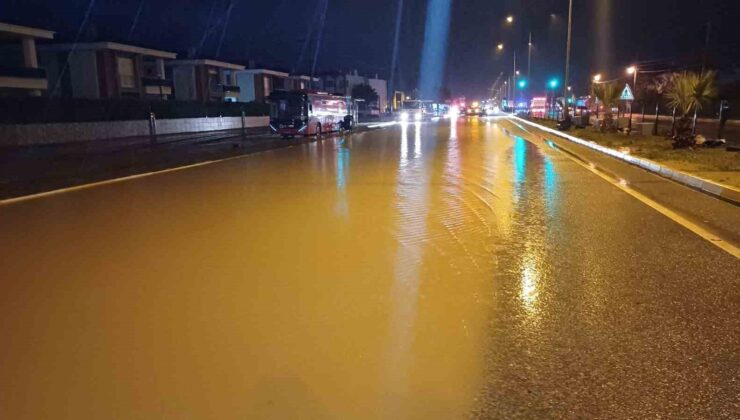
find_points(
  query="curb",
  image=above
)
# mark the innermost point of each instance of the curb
(725, 193)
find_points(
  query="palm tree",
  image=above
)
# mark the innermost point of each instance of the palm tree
(608, 94)
(690, 92)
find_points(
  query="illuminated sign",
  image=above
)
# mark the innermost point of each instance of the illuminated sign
(627, 94)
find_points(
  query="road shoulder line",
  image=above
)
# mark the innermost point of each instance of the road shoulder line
(695, 228)
(720, 191)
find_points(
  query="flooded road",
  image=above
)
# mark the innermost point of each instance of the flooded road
(427, 271)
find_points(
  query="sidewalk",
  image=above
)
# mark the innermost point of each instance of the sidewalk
(30, 170)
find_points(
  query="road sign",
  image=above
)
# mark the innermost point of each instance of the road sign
(627, 93)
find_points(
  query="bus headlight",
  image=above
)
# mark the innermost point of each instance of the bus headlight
(417, 116)
(404, 116)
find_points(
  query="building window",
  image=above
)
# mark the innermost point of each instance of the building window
(266, 85)
(126, 72)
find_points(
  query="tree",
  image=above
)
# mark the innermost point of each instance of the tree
(365, 92)
(608, 94)
(690, 92)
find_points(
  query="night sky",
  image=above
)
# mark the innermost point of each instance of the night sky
(358, 34)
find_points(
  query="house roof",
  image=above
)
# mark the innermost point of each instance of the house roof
(303, 77)
(266, 71)
(8, 30)
(115, 46)
(206, 62)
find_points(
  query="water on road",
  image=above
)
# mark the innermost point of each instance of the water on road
(427, 271)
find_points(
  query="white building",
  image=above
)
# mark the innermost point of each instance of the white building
(205, 80)
(19, 69)
(107, 70)
(339, 83)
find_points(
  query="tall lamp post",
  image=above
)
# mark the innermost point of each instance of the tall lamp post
(529, 68)
(566, 116)
(597, 79)
(633, 71)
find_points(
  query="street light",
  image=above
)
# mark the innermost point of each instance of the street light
(633, 70)
(597, 79)
(517, 72)
(500, 47)
(510, 19)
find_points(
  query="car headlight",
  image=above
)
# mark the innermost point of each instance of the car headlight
(404, 116)
(417, 117)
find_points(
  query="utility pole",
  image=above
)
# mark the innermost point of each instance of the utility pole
(529, 67)
(513, 87)
(566, 115)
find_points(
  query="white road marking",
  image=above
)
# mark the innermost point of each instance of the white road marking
(665, 211)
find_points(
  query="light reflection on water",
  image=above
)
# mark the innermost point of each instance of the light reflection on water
(342, 168)
(411, 228)
(298, 316)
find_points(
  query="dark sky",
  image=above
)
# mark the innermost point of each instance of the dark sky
(358, 34)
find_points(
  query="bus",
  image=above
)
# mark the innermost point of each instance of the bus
(306, 113)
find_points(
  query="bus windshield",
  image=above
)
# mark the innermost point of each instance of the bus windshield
(288, 107)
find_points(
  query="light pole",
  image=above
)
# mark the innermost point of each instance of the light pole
(529, 67)
(597, 79)
(513, 86)
(566, 116)
(633, 71)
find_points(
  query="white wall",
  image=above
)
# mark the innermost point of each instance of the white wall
(381, 87)
(38, 134)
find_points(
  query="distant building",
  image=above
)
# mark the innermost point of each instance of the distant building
(204, 80)
(381, 87)
(301, 82)
(19, 67)
(258, 84)
(108, 70)
(339, 83)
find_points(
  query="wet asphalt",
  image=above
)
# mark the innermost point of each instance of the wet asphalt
(435, 270)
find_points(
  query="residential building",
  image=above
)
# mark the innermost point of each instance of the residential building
(258, 84)
(107, 70)
(381, 88)
(205, 80)
(340, 83)
(19, 64)
(301, 82)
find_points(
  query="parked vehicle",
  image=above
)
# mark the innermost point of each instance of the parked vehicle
(306, 113)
